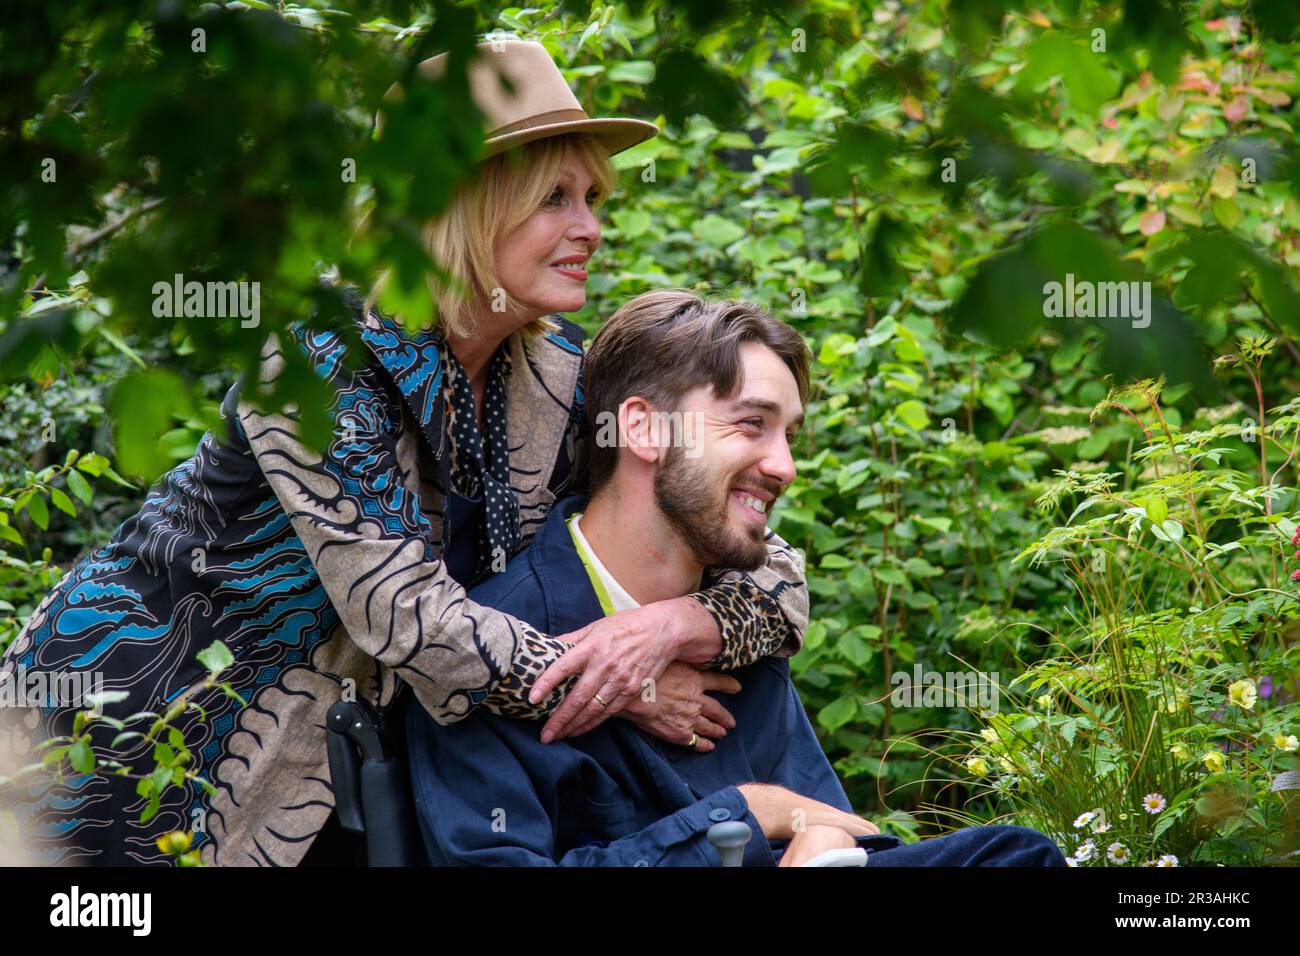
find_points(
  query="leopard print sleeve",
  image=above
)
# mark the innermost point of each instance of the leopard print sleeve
(759, 613)
(535, 654)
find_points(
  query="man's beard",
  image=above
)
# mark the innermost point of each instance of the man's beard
(683, 491)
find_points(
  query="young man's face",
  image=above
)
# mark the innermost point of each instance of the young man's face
(718, 495)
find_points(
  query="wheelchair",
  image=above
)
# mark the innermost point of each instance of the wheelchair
(372, 789)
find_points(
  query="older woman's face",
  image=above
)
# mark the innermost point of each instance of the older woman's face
(543, 263)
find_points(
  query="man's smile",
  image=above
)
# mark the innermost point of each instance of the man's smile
(751, 505)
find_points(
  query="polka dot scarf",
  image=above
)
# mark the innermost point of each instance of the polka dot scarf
(480, 463)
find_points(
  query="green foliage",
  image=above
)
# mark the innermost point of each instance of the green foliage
(26, 509)
(1179, 671)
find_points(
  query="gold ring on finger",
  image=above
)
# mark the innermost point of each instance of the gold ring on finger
(602, 701)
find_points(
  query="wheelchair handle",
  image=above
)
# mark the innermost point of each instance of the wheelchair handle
(369, 783)
(730, 839)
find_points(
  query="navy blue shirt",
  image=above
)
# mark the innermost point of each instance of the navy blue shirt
(488, 792)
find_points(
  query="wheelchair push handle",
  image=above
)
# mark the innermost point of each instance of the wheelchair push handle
(730, 839)
(369, 780)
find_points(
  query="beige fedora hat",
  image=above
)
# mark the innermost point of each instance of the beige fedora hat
(539, 105)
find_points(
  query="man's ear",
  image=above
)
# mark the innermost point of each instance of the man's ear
(636, 429)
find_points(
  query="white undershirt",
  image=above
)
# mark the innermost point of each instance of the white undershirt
(618, 597)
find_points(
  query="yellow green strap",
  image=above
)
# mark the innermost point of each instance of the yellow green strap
(597, 584)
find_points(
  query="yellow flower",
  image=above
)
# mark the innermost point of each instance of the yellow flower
(977, 765)
(1213, 761)
(989, 734)
(1288, 743)
(1180, 751)
(1006, 765)
(1045, 701)
(174, 842)
(1242, 693)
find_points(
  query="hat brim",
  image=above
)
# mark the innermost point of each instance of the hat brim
(615, 135)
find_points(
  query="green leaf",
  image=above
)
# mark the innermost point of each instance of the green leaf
(92, 464)
(1168, 530)
(921, 568)
(934, 523)
(715, 231)
(216, 657)
(63, 502)
(178, 443)
(79, 486)
(143, 405)
(1087, 79)
(39, 511)
(81, 756)
(857, 651)
(1168, 819)
(160, 777)
(912, 414)
(1227, 212)
(632, 71)
(890, 576)
(837, 713)
(1157, 510)
(632, 222)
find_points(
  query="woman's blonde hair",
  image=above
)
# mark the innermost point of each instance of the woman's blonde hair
(503, 192)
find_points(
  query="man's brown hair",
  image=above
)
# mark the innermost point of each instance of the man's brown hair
(662, 344)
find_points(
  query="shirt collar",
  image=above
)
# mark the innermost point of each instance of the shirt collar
(571, 601)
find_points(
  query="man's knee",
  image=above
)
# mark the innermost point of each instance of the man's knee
(1021, 846)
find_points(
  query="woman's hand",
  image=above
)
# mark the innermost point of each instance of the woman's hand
(616, 655)
(680, 707)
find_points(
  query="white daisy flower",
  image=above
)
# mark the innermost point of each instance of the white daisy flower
(1167, 860)
(1117, 853)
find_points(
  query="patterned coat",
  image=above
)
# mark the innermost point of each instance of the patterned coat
(322, 575)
